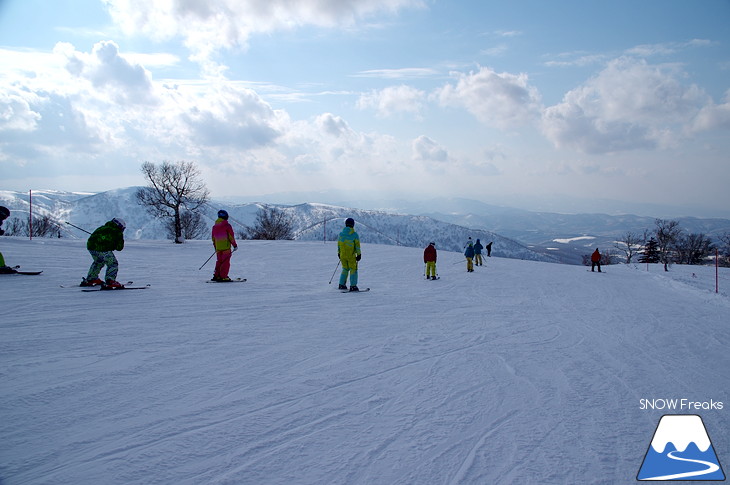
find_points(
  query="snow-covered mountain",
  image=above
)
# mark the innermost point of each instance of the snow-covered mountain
(312, 221)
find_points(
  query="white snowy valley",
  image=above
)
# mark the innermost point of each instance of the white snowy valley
(521, 372)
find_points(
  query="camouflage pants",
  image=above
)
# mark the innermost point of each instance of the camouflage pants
(101, 259)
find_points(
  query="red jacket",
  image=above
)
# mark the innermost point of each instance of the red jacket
(596, 256)
(429, 254)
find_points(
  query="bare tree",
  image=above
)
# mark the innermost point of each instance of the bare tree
(171, 188)
(271, 223)
(724, 248)
(44, 226)
(694, 248)
(629, 245)
(667, 234)
(192, 224)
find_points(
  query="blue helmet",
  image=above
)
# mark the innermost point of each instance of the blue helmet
(223, 214)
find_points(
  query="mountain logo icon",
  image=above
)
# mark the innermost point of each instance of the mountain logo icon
(681, 450)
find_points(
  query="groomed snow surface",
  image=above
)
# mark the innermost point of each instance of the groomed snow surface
(521, 372)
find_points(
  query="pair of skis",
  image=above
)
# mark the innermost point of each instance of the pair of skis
(105, 288)
(125, 286)
(362, 290)
(27, 273)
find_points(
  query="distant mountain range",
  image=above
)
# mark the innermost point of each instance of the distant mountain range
(311, 221)
(517, 233)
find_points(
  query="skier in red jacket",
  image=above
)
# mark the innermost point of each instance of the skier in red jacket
(596, 260)
(429, 257)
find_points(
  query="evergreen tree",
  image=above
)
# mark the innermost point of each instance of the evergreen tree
(650, 254)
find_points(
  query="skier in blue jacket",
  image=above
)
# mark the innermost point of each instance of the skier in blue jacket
(469, 254)
(478, 253)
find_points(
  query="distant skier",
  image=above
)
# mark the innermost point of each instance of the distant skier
(429, 257)
(4, 269)
(489, 249)
(348, 250)
(596, 260)
(223, 241)
(469, 253)
(101, 245)
(478, 253)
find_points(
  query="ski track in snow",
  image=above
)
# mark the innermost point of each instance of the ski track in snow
(521, 372)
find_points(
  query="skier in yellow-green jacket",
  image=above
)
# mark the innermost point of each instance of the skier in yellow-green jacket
(348, 250)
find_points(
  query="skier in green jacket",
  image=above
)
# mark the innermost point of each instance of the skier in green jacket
(101, 245)
(4, 214)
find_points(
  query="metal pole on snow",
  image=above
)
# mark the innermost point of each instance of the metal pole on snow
(30, 214)
(335, 271)
(206, 261)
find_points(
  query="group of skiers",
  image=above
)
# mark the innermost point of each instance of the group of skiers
(473, 254)
(110, 237)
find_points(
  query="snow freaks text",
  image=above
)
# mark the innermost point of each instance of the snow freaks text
(679, 405)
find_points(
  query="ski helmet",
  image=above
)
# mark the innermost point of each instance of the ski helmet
(4, 213)
(350, 222)
(120, 223)
(223, 214)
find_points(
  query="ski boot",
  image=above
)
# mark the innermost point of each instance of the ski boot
(354, 288)
(342, 287)
(91, 282)
(112, 285)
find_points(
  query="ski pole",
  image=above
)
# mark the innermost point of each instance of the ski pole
(206, 261)
(77, 227)
(335, 271)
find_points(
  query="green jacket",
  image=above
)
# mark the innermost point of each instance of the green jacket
(106, 238)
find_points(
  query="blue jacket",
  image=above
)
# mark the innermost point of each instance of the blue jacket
(469, 253)
(478, 247)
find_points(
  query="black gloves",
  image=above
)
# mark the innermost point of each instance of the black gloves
(357, 258)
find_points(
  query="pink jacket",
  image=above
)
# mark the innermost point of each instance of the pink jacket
(223, 237)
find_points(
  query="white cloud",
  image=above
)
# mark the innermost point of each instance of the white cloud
(16, 113)
(108, 71)
(713, 116)
(232, 117)
(629, 105)
(667, 48)
(496, 51)
(427, 150)
(502, 100)
(393, 100)
(209, 25)
(402, 73)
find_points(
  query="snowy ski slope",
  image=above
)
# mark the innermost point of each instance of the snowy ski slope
(521, 372)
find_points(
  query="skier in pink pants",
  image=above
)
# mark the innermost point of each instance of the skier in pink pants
(223, 240)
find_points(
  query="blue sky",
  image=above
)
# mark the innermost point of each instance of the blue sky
(504, 102)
